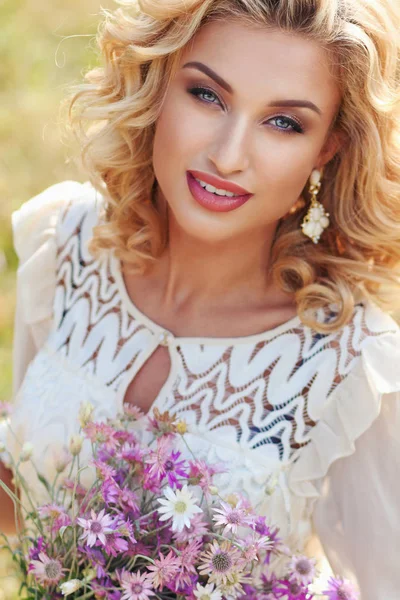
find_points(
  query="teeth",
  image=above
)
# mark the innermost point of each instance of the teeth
(214, 190)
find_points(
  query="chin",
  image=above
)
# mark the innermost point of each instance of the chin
(202, 225)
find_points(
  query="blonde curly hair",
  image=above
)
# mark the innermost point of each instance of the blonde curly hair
(141, 44)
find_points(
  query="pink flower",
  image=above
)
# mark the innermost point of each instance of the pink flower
(104, 471)
(46, 570)
(253, 545)
(164, 569)
(188, 555)
(164, 462)
(132, 452)
(115, 544)
(128, 501)
(124, 527)
(132, 411)
(77, 489)
(259, 525)
(96, 528)
(341, 589)
(202, 474)
(136, 586)
(231, 517)
(101, 433)
(302, 569)
(57, 514)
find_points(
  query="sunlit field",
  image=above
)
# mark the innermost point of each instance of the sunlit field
(44, 47)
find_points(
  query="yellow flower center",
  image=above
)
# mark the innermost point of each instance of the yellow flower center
(180, 507)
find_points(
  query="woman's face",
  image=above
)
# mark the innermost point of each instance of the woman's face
(254, 134)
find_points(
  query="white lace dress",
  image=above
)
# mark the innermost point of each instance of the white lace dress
(308, 424)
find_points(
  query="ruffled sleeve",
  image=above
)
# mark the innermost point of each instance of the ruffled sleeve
(34, 233)
(350, 470)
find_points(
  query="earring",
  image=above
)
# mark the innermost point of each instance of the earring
(316, 220)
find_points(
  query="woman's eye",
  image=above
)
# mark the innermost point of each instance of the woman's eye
(200, 92)
(287, 125)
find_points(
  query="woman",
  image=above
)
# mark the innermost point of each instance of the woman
(257, 308)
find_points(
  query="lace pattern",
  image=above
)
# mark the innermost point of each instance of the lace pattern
(269, 391)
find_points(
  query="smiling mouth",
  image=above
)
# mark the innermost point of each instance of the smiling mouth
(218, 192)
(213, 201)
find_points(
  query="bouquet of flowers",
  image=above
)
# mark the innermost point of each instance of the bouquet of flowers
(152, 524)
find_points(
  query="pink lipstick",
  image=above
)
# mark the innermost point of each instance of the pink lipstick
(213, 201)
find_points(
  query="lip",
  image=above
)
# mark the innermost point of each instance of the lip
(220, 184)
(211, 201)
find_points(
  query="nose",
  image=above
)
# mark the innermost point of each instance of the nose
(229, 152)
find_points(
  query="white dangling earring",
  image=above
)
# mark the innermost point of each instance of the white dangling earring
(317, 219)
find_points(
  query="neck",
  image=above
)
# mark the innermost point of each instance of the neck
(194, 273)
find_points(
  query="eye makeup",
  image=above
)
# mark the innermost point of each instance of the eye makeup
(197, 90)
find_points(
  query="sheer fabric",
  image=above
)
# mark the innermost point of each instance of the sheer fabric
(308, 424)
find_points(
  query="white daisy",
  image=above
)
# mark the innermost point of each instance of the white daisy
(207, 592)
(71, 586)
(180, 506)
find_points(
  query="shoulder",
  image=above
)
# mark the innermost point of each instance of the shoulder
(370, 333)
(367, 349)
(37, 227)
(380, 348)
(35, 223)
(368, 366)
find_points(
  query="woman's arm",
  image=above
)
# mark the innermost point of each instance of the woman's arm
(7, 524)
(358, 517)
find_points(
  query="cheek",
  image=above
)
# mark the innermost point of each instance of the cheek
(179, 134)
(282, 175)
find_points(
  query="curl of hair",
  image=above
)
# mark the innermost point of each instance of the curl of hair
(141, 43)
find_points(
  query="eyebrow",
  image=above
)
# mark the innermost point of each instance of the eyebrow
(225, 85)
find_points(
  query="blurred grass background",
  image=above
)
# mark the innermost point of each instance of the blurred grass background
(45, 46)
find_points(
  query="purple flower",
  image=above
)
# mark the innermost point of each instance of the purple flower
(105, 589)
(38, 547)
(96, 559)
(340, 589)
(128, 502)
(291, 590)
(302, 569)
(165, 462)
(132, 453)
(104, 471)
(96, 528)
(231, 517)
(115, 544)
(110, 491)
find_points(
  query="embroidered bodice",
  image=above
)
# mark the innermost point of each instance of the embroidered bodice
(279, 407)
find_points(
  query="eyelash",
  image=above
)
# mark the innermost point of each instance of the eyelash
(198, 90)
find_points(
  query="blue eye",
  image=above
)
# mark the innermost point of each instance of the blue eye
(287, 125)
(294, 125)
(199, 91)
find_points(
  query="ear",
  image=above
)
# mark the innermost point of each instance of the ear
(332, 146)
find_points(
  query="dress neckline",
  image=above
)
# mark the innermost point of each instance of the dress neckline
(169, 337)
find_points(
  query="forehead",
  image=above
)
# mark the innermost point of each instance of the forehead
(265, 61)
